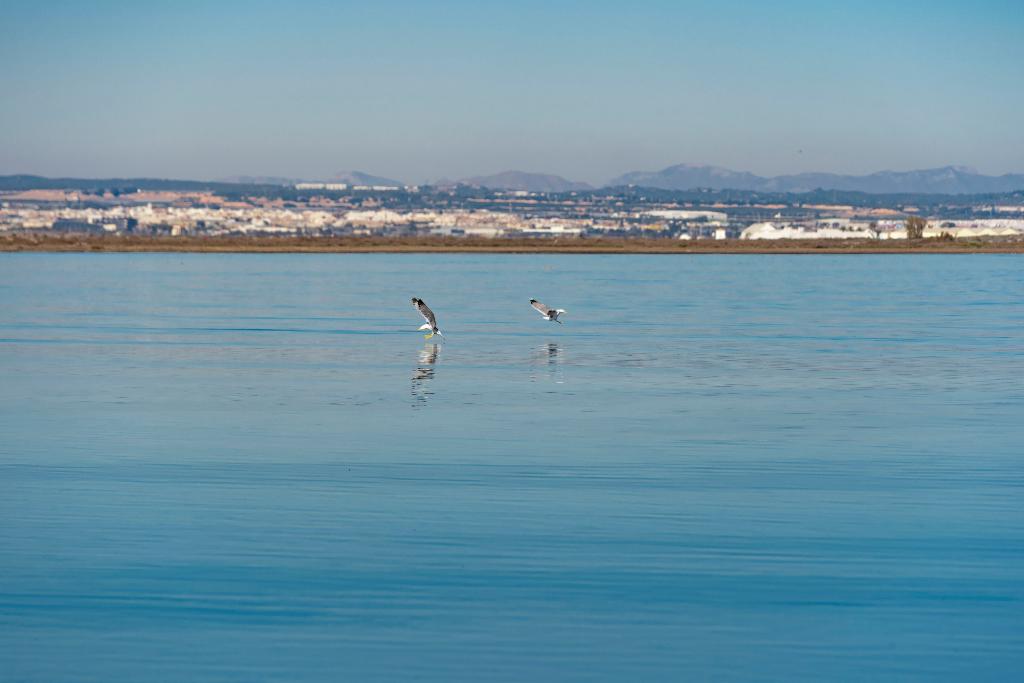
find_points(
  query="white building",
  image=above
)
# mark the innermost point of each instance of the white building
(321, 186)
(770, 231)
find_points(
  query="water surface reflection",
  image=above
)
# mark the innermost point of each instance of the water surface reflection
(424, 374)
(549, 355)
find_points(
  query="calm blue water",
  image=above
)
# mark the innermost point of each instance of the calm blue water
(729, 468)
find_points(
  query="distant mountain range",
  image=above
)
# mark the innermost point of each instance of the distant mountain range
(949, 180)
(946, 180)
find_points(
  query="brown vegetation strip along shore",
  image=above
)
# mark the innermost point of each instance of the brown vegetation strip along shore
(131, 243)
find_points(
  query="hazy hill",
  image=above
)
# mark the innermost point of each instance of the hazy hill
(530, 182)
(259, 180)
(360, 178)
(350, 177)
(688, 176)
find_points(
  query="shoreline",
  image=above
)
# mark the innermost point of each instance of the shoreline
(467, 245)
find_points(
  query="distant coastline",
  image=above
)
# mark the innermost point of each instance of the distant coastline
(20, 242)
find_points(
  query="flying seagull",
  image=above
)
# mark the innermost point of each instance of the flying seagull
(548, 313)
(428, 315)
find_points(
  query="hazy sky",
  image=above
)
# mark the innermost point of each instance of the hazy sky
(583, 89)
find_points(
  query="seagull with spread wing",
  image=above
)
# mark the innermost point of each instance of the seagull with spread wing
(548, 313)
(428, 315)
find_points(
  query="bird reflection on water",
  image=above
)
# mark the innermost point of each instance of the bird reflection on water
(549, 354)
(552, 350)
(423, 374)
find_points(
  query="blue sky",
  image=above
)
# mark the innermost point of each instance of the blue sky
(587, 90)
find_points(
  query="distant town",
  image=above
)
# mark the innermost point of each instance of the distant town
(43, 206)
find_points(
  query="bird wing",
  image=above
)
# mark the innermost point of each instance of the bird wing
(425, 311)
(544, 310)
